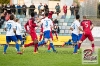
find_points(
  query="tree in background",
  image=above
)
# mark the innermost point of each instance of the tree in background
(4, 1)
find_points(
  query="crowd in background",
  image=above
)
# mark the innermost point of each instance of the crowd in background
(6, 9)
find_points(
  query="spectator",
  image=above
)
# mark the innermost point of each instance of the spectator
(76, 9)
(32, 8)
(0, 8)
(19, 9)
(46, 9)
(8, 9)
(72, 8)
(24, 9)
(57, 7)
(99, 8)
(39, 8)
(54, 16)
(13, 8)
(4, 7)
(65, 9)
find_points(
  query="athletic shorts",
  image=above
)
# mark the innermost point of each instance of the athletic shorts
(47, 34)
(87, 35)
(19, 37)
(11, 38)
(33, 35)
(75, 38)
(80, 35)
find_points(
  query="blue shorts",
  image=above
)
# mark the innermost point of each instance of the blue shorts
(19, 37)
(11, 38)
(75, 38)
(80, 35)
(47, 34)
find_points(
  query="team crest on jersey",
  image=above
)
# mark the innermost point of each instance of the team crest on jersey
(89, 57)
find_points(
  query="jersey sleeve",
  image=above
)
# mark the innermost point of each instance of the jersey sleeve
(14, 25)
(5, 25)
(72, 25)
(20, 28)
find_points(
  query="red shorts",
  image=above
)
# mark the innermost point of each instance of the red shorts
(33, 36)
(87, 35)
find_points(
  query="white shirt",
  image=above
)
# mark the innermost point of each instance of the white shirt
(47, 24)
(75, 25)
(10, 26)
(18, 28)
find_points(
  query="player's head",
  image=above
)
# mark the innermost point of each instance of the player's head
(84, 17)
(16, 20)
(46, 14)
(77, 16)
(32, 14)
(11, 17)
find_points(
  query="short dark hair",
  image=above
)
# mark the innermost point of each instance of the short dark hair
(11, 17)
(46, 14)
(32, 14)
(77, 16)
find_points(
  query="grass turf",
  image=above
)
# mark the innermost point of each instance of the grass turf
(64, 57)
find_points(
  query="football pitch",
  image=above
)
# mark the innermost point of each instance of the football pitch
(64, 57)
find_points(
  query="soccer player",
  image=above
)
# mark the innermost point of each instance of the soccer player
(31, 24)
(87, 27)
(10, 28)
(47, 25)
(75, 32)
(18, 31)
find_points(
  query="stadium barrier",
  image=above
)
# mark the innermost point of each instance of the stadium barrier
(60, 41)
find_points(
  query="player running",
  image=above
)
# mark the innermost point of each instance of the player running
(10, 28)
(87, 27)
(47, 25)
(18, 31)
(31, 24)
(75, 32)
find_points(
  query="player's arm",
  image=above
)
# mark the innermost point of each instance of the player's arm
(92, 26)
(71, 28)
(26, 26)
(80, 28)
(14, 28)
(5, 29)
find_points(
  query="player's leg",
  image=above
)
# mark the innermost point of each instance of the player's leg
(51, 45)
(75, 40)
(56, 34)
(52, 39)
(81, 40)
(90, 37)
(19, 37)
(16, 44)
(7, 43)
(41, 34)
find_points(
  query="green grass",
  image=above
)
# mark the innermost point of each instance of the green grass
(64, 57)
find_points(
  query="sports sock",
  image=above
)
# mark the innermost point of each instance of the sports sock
(92, 47)
(5, 47)
(30, 44)
(49, 47)
(35, 47)
(79, 45)
(41, 43)
(52, 46)
(17, 47)
(75, 48)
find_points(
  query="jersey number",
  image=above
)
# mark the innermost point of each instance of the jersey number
(86, 24)
(9, 26)
(46, 24)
